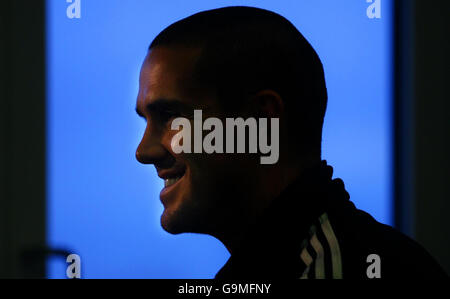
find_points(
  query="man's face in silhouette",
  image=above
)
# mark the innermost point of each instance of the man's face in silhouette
(202, 191)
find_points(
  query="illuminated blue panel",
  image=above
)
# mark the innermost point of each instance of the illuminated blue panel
(104, 206)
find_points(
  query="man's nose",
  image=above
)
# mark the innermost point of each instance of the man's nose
(150, 149)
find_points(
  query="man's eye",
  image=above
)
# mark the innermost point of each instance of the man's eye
(165, 116)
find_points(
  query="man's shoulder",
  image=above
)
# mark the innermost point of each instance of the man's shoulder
(363, 241)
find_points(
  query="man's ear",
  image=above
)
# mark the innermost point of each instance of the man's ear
(268, 103)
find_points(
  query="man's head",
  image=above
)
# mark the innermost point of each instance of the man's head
(228, 62)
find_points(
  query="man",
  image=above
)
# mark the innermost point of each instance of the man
(287, 219)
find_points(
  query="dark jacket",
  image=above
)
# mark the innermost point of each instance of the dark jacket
(313, 230)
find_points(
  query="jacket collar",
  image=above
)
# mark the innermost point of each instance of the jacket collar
(273, 242)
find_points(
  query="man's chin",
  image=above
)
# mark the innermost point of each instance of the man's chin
(170, 227)
(183, 221)
(174, 224)
(169, 224)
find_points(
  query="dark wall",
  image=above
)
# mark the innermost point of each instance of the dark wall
(22, 138)
(422, 124)
(432, 127)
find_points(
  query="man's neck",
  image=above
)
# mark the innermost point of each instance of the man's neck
(271, 185)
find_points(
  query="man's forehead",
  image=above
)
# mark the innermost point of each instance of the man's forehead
(176, 61)
(167, 73)
(159, 75)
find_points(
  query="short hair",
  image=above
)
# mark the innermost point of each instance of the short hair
(245, 50)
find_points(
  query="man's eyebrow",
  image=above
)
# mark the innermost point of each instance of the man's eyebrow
(163, 104)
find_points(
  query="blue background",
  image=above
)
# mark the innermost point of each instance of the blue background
(104, 206)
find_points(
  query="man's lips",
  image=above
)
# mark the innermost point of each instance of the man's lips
(171, 179)
(170, 182)
(172, 173)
